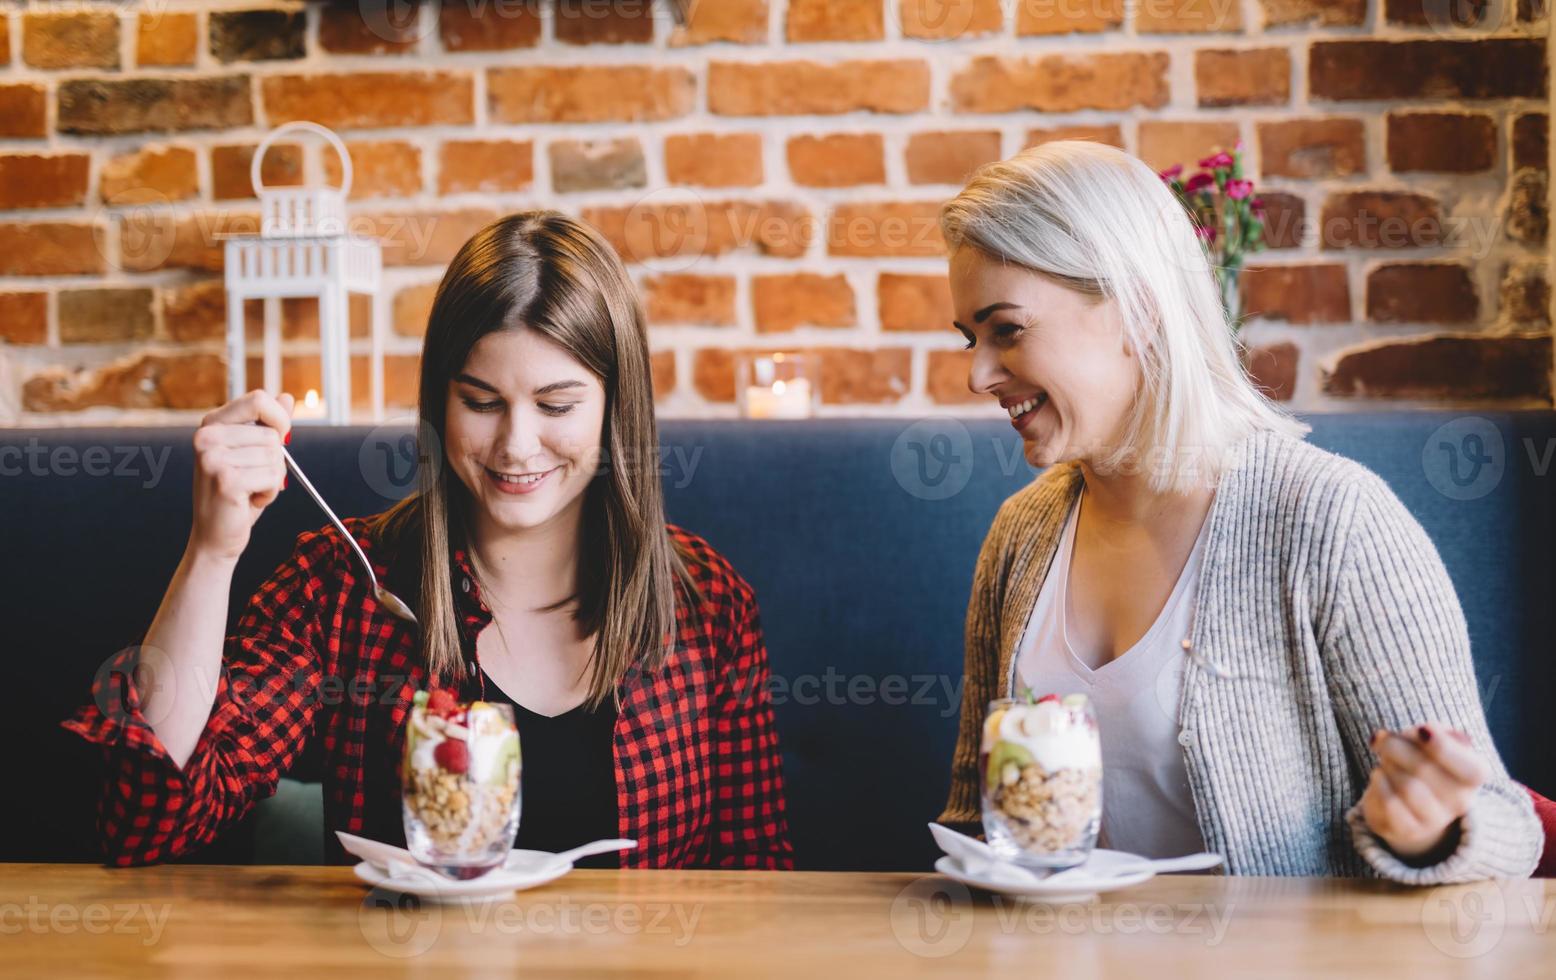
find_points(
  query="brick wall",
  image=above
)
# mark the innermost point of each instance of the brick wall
(772, 169)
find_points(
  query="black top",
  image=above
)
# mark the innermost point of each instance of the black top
(567, 781)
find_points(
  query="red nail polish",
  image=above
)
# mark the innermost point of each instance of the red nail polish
(1424, 733)
(283, 483)
(286, 440)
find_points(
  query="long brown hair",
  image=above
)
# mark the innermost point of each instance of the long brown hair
(545, 271)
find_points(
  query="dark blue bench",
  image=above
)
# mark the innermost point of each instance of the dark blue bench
(859, 537)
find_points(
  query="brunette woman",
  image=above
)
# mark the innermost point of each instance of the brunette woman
(541, 572)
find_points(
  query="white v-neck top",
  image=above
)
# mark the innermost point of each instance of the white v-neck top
(1147, 806)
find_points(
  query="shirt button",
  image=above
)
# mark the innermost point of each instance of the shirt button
(1185, 737)
(464, 584)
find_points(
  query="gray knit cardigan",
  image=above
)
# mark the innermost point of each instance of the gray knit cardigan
(1323, 613)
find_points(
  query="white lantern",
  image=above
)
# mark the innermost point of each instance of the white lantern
(305, 250)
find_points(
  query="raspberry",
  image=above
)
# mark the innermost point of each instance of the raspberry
(440, 703)
(453, 755)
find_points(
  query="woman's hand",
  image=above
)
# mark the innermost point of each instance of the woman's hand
(1424, 783)
(239, 470)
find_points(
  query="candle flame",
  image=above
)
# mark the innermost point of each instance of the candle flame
(311, 399)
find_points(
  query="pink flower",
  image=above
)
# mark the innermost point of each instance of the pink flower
(1257, 204)
(1198, 182)
(1221, 159)
(1172, 173)
(1208, 234)
(1239, 189)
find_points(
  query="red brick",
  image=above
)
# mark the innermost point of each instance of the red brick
(1422, 292)
(1442, 17)
(1285, 220)
(1446, 367)
(1525, 296)
(98, 316)
(491, 166)
(713, 374)
(51, 248)
(379, 168)
(591, 165)
(427, 237)
(946, 380)
(299, 318)
(913, 302)
(1322, 13)
(1164, 143)
(734, 21)
(230, 177)
(79, 39)
(837, 160)
(800, 88)
(1305, 294)
(30, 180)
(151, 240)
(1273, 369)
(140, 381)
(857, 377)
(489, 27)
(166, 40)
(596, 22)
(1110, 134)
(1445, 142)
(391, 29)
(1309, 149)
(684, 298)
(24, 318)
(1490, 68)
(687, 230)
(1381, 219)
(714, 159)
(949, 157)
(371, 99)
(1061, 83)
(593, 93)
(5, 40)
(1260, 76)
(256, 35)
(902, 229)
(1530, 141)
(153, 173)
(197, 311)
(836, 20)
(90, 107)
(412, 307)
(23, 111)
(1037, 17)
(1188, 16)
(662, 369)
(936, 20)
(802, 299)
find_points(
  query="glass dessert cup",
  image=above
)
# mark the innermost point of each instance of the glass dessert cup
(460, 784)
(1041, 766)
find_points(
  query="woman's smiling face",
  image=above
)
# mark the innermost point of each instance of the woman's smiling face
(1054, 357)
(524, 428)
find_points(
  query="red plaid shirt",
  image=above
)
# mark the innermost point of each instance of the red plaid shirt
(699, 778)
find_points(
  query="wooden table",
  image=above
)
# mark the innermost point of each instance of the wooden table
(208, 921)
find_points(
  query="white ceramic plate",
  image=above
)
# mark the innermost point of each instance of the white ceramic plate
(1073, 887)
(524, 869)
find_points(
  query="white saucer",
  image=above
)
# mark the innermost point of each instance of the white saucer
(1076, 886)
(524, 869)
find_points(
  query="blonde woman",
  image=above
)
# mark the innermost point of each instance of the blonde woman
(1279, 663)
(541, 572)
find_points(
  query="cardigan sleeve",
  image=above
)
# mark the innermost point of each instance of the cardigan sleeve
(980, 682)
(1398, 654)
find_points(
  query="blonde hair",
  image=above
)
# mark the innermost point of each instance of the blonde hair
(1097, 220)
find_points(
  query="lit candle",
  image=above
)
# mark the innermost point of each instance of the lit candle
(311, 407)
(781, 400)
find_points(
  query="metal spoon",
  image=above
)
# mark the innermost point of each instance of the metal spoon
(388, 599)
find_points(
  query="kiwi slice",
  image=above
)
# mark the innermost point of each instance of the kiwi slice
(1002, 753)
